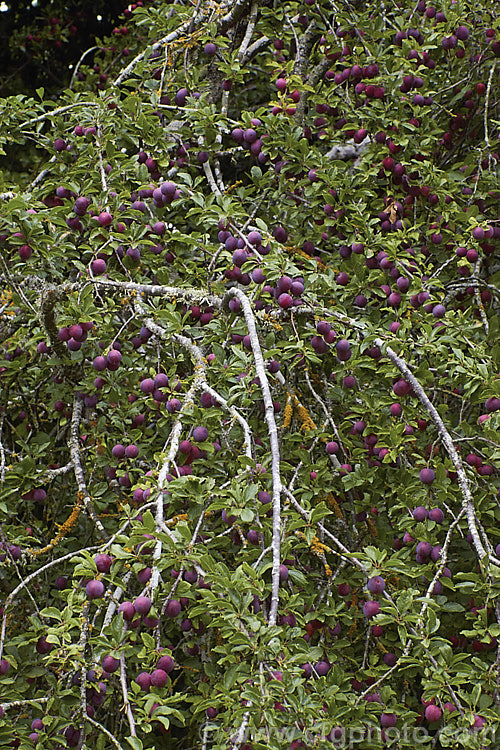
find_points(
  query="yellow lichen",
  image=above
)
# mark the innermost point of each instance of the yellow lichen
(318, 547)
(332, 503)
(288, 412)
(304, 416)
(233, 186)
(64, 529)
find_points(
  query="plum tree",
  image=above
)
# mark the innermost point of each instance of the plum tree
(249, 380)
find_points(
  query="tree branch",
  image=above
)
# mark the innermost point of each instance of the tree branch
(274, 445)
(78, 468)
(468, 501)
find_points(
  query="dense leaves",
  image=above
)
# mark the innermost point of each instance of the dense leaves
(249, 383)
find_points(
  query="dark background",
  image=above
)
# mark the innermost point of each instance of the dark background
(35, 50)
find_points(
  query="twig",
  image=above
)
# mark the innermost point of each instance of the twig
(236, 415)
(84, 635)
(126, 702)
(14, 285)
(53, 473)
(57, 111)
(115, 598)
(174, 437)
(345, 553)
(479, 301)
(441, 566)
(211, 179)
(13, 562)
(204, 739)
(42, 174)
(77, 66)
(27, 580)
(105, 731)
(367, 644)
(77, 466)
(328, 417)
(486, 104)
(2, 453)
(104, 182)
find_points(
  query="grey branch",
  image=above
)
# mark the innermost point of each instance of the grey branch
(349, 150)
(155, 290)
(126, 702)
(468, 500)
(240, 736)
(274, 445)
(78, 468)
(344, 552)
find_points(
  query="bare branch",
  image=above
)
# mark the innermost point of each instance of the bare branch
(105, 731)
(78, 468)
(77, 66)
(58, 111)
(240, 736)
(25, 702)
(154, 290)
(260, 369)
(126, 702)
(248, 33)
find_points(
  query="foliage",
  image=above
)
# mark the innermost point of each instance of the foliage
(249, 383)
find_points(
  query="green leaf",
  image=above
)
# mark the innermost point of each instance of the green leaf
(247, 515)
(319, 512)
(230, 676)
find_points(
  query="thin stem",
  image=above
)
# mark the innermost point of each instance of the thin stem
(77, 66)
(78, 468)
(105, 731)
(126, 702)
(27, 580)
(346, 554)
